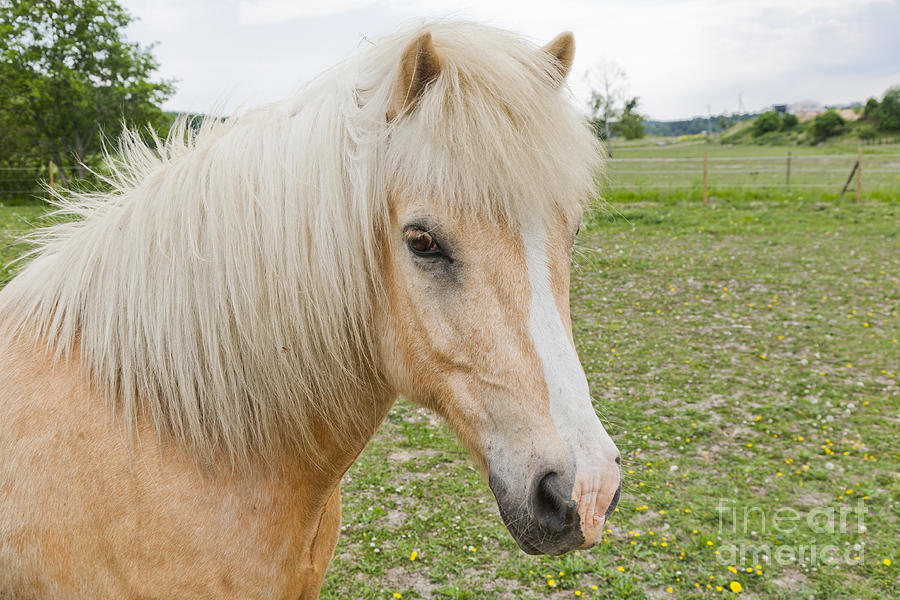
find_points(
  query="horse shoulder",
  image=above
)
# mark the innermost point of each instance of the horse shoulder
(84, 512)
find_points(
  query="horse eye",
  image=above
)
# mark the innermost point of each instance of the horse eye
(421, 243)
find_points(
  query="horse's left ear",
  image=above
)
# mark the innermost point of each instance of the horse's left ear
(562, 48)
(419, 66)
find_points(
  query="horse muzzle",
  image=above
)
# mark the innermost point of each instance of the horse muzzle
(550, 519)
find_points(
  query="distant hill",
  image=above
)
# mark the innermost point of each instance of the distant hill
(693, 126)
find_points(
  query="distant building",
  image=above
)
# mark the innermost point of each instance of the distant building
(806, 106)
(780, 108)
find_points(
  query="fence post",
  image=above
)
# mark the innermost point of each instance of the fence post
(789, 170)
(859, 175)
(705, 161)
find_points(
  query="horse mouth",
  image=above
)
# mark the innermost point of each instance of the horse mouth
(532, 530)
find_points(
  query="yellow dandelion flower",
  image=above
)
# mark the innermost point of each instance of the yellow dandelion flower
(621, 569)
(396, 595)
(735, 587)
(413, 555)
(669, 589)
(551, 582)
(732, 569)
(887, 562)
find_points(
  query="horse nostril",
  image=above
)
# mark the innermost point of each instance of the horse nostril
(613, 502)
(618, 459)
(552, 507)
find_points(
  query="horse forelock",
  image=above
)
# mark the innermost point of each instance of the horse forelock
(224, 287)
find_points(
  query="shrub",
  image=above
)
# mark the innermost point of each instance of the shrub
(888, 113)
(870, 112)
(827, 125)
(766, 122)
(867, 132)
(788, 122)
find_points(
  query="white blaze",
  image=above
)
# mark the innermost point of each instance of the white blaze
(590, 448)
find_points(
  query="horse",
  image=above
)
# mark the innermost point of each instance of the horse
(191, 359)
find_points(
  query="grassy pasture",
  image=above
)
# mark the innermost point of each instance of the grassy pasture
(644, 166)
(744, 356)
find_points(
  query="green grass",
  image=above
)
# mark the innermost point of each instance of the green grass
(742, 354)
(816, 171)
(739, 353)
(14, 222)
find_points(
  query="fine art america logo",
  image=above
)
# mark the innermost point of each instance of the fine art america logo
(828, 529)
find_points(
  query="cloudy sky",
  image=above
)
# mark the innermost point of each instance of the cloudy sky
(680, 57)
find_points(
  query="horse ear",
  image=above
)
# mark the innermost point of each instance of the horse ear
(562, 48)
(419, 65)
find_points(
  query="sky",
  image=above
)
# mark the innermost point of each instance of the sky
(681, 58)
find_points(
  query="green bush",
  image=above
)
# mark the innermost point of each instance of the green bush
(867, 132)
(870, 112)
(888, 112)
(766, 122)
(826, 125)
(788, 122)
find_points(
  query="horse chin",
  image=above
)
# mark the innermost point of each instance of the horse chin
(529, 533)
(534, 541)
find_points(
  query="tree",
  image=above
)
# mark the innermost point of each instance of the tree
(827, 125)
(67, 76)
(607, 82)
(766, 122)
(870, 112)
(630, 124)
(867, 133)
(789, 121)
(888, 113)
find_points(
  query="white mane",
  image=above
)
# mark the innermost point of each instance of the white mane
(224, 287)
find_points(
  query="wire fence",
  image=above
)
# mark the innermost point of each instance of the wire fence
(828, 172)
(30, 182)
(837, 172)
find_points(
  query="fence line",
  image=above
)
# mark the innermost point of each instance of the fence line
(748, 158)
(41, 176)
(752, 171)
(696, 185)
(714, 171)
(703, 173)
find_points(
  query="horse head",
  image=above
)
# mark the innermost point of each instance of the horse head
(475, 321)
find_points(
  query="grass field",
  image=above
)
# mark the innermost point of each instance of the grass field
(744, 356)
(645, 165)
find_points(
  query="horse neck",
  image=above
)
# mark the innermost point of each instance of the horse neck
(336, 449)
